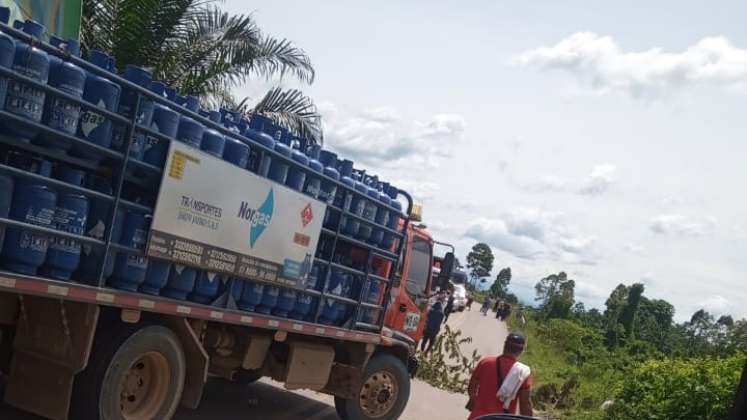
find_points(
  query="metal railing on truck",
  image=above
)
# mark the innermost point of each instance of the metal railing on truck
(118, 163)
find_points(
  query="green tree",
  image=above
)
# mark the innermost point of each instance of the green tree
(628, 315)
(480, 261)
(615, 305)
(678, 389)
(499, 288)
(199, 49)
(556, 294)
(654, 324)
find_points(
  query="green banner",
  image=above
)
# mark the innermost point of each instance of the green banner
(60, 17)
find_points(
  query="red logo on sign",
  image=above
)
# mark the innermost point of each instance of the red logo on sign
(307, 215)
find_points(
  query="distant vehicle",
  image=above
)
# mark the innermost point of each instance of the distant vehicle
(460, 297)
(459, 277)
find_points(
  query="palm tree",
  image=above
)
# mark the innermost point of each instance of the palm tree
(201, 50)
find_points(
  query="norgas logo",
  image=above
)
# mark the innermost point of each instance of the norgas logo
(258, 218)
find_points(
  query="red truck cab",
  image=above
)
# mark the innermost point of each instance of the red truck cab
(408, 306)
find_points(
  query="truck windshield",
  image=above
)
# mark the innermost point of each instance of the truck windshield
(420, 265)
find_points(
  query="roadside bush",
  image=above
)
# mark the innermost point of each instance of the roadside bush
(678, 389)
(445, 366)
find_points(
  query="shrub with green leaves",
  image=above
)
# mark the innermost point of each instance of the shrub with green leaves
(679, 389)
(445, 366)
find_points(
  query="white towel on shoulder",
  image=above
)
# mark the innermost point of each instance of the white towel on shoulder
(518, 373)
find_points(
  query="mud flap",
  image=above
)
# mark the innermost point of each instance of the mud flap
(52, 344)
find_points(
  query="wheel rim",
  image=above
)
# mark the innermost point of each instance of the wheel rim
(144, 387)
(378, 394)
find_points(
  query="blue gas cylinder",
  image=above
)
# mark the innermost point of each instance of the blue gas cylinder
(270, 296)
(60, 113)
(127, 103)
(262, 123)
(6, 197)
(235, 287)
(129, 269)
(394, 217)
(166, 122)
(382, 217)
(7, 51)
(369, 213)
(243, 125)
(71, 212)
(236, 152)
(213, 142)
(104, 94)
(313, 183)
(278, 168)
(264, 159)
(251, 296)
(170, 93)
(206, 287)
(286, 302)
(341, 197)
(356, 207)
(329, 189)
(181, 282)
(156, 277)
(302, 307)
(99, 216)
(330, 313)
(25, 100)
(338, 283)
(24, 251)
(297, 176)
(190, 131)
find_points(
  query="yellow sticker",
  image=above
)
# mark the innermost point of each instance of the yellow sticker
(178, 163)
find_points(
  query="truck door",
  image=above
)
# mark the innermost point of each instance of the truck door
(410, 305)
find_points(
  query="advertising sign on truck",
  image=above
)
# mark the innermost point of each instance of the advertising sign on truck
(216, 216)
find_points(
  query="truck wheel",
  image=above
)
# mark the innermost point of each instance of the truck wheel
(132, 374)
(383, 394)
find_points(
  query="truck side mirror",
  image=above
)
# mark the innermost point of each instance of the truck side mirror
(447, 268)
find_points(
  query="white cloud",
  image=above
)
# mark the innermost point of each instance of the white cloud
(600, 180)
(591, 293)
(421, 191)
(648, 279)
(682, 225)
(602, 65)
(535, 234)
(381, 137)
(548, 183)
(634, 248)
(717, 305)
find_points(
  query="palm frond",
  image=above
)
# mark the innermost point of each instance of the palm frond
(292, 110)
(280, 56)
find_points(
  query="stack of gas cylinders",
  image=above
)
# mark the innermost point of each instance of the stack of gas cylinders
(69, 188)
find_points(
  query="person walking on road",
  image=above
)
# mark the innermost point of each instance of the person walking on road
(432, 327)
(506, 311)
(469, 302)
(501, 384)
(485, 306)
(449, 305)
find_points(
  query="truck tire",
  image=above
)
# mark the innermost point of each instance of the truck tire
(134, 373)
(384, 391)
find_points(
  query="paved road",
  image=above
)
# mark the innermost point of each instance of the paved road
(488, 334)
(268, 400)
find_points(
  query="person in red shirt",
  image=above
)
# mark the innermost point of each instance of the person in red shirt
(484, 383)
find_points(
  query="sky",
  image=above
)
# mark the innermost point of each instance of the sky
(603, 139)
